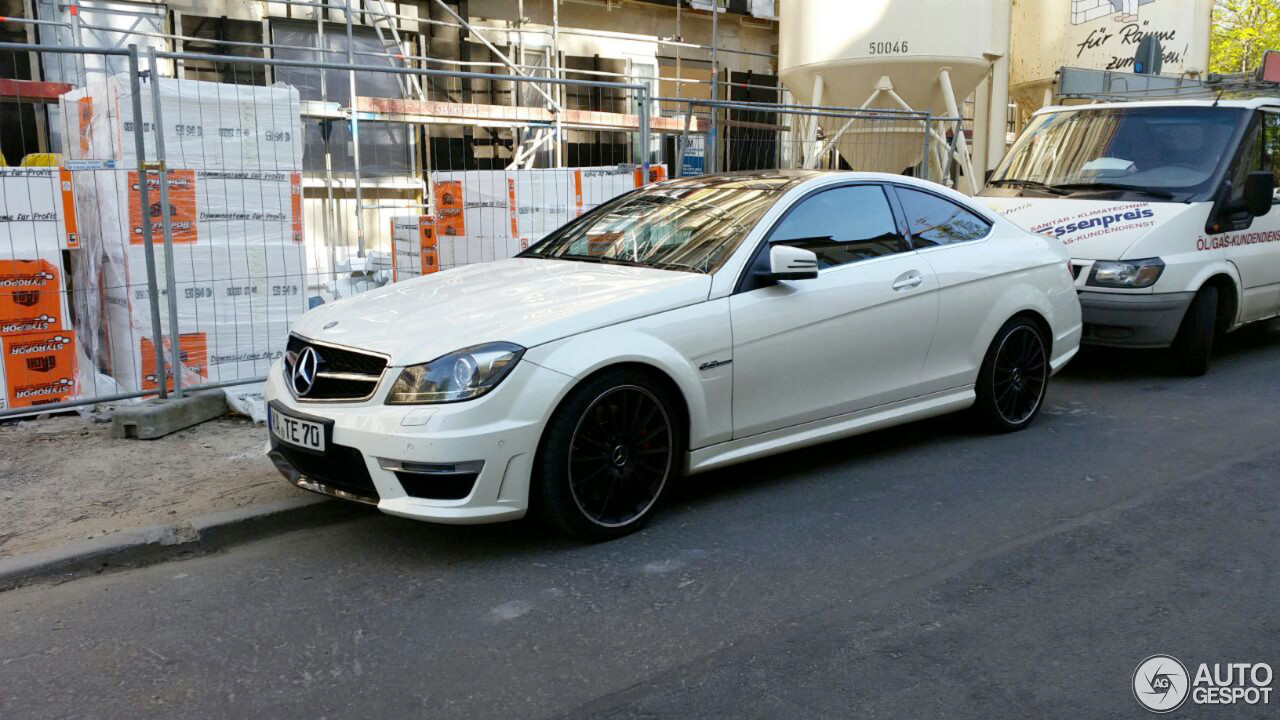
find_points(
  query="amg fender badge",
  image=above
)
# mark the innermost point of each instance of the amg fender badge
(711, 364)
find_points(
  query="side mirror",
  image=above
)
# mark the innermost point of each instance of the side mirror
(792, 263)
(1259, 191)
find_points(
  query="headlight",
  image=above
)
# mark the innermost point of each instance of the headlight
(1126, 273)
(462, 375)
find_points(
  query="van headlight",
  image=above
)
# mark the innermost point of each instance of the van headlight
(1126, 273)
(462, 375)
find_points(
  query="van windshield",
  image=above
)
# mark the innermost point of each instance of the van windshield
(1169, 152)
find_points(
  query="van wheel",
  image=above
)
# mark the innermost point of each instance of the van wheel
(608, 455)
(1013, 378)
(1194, 344)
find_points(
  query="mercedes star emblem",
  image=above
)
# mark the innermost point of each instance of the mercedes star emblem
(304, 371)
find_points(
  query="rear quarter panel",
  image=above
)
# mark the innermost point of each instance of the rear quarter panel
(982, 285)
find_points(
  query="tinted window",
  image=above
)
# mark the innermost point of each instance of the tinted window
(1260, 150)
(842, 225)
(938, 221)
(682, 226)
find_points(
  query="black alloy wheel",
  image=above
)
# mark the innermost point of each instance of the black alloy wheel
(620, 456)
(1014, 376)
(608, 455)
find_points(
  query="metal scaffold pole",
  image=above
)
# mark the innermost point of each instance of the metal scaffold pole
(157, 122)
(144, 200)
(355, 131)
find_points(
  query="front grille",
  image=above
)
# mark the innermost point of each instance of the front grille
(342, 374)
(339, 467)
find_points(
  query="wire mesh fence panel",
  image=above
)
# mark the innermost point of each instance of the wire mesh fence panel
(726, 136)
(56, 292)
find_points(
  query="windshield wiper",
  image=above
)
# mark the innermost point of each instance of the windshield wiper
(1077, 187)
(1051, 189)
(608, 260)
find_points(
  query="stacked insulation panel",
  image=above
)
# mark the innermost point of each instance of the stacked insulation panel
(485, 215)
(233, 155)
(37, 345)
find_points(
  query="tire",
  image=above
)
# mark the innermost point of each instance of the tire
(1193, 346)
(1013, 378)
(608, 456)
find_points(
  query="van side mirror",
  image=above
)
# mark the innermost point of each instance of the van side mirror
(1259, 192)
(787, 262)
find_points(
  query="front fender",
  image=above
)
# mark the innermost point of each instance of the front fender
(676, 343)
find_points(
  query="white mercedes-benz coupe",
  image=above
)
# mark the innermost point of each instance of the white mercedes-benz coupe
(684, 326)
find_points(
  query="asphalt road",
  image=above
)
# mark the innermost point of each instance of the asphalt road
(925, 571)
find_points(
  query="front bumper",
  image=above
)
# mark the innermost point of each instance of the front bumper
(370, 446)
(1133, 321)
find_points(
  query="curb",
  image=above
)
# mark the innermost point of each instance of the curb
(143, 546)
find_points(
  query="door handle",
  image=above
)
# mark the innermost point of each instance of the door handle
(906, 281)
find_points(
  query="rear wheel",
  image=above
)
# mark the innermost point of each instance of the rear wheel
(1194, 344)
(608, 455)
(1014, 377)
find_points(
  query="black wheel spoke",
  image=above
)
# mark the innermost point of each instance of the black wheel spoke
(621, 464)
(1019, 374)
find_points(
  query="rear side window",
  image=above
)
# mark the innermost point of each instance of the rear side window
(937, 221)
(842, 225)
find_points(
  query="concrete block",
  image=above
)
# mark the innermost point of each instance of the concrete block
(157, 418)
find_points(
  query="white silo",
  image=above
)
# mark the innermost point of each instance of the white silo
(894, 54)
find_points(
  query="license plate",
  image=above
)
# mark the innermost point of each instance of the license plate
(296, 431)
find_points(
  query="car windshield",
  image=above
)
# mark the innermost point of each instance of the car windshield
(1161, 151)
(687, 227)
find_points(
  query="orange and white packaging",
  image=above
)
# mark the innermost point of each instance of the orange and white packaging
(31, 296)
(39, 208)
(193, 356)
(413, 247)
(37, 368)
(485, 215)
(214, 126)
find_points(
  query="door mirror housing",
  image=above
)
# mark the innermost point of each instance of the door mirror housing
(1259, 192)
(787, 262)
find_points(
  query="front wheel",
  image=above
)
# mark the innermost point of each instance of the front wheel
(1014, 377)
(608, 455)
(1194, 344)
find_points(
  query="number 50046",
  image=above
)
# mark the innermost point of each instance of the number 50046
(888, 47)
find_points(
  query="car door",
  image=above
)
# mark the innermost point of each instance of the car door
(971, 275)
(854, 337)
(1257, 260)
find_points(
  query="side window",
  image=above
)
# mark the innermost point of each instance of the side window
(842, 225)
(1271, 144)
(1252, 157)
(938, 221)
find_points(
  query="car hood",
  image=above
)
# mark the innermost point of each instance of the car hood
(1091, 229)
(526, 301)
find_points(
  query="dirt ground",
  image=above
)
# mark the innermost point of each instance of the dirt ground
(64, 479)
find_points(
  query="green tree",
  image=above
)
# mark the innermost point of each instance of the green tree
(1242, 30)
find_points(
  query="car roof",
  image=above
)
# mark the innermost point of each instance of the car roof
(747, 179)
(802, 181)
(784, 179)
(1246, 103)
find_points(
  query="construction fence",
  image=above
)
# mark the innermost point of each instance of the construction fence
(170, 215)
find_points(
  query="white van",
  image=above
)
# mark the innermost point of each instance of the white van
(1166, 208)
